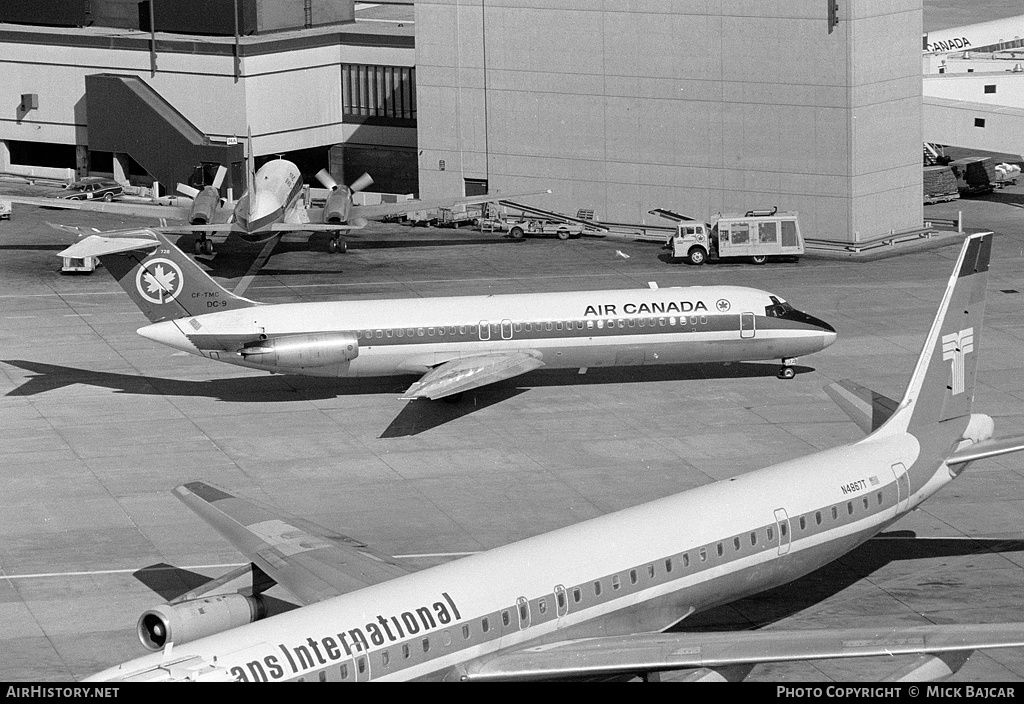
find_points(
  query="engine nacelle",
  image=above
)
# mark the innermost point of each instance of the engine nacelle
(204, 206)
(337, 206)
(302, 351)
(197, 618)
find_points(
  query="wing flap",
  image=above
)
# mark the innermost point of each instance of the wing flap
(310, 561)
(987, 448)
(868, 409)
(465, 373)
(649, 652)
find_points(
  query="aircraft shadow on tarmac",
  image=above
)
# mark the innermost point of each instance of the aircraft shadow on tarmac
(416, 417)
(790, 599)
(170, 582)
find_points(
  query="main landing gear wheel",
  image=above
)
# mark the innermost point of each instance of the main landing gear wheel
(203, 245)
(337, 246)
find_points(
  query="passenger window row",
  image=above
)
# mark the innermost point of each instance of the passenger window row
(538, 611)
(473, 331)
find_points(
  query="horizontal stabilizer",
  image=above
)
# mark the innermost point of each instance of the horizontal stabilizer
(868, 409)
(467, 373)
(987, 448)
(312, 562)
(652, 652)
(99, 245)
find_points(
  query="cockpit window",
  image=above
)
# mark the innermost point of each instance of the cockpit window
(778, 309)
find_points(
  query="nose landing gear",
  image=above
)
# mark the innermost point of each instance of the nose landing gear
(787, 371)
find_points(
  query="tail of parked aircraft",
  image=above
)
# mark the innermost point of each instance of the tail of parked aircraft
(942, 385)
(162, 281)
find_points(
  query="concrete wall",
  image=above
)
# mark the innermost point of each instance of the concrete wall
(691, 105)
(954, 122)
(289, 92)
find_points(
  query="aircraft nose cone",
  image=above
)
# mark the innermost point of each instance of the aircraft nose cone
(168, 333)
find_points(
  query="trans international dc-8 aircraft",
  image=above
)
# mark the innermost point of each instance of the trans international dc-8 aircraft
(596, 599)
(455, 343)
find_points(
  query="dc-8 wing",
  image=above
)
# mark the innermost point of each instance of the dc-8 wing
(310, 561)
(711, 652)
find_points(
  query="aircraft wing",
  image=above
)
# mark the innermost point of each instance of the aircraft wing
(653, 652)
(374, 212)
(992, 447)
(151, 210)
(310, 561)
(465, 373)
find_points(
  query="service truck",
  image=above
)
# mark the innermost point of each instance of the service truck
(755, 235)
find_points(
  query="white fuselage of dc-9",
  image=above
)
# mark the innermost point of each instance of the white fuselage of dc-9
(562, 330)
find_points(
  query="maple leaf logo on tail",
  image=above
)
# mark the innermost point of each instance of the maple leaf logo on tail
(159, 281)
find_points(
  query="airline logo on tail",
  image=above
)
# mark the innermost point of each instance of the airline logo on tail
(159, 281)
(955, 347)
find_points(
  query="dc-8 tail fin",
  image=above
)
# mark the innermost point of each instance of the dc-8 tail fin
(163, 282)
(942, 385)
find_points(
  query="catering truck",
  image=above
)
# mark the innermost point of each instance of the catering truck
(756, 236)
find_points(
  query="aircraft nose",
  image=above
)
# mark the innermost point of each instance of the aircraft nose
(168, 333)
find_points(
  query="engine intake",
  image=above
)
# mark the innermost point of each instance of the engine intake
(303, 351)
(197, 618)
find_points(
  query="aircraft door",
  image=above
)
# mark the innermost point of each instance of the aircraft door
(485, 330)
(782, 525)
(902, 486)
(362, 666)
(506, 329)
(746, 325)
(523, 608)
(561, 603)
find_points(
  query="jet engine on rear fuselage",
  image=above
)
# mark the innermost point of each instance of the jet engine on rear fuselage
(297, 352)
(197, 618)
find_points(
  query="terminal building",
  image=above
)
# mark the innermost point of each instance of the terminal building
(621, 108)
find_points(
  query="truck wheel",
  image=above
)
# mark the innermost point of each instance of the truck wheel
(516, 232)
(759, 259)
(562, 234)
(696, 256)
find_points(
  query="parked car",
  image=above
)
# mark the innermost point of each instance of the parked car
(93, 188)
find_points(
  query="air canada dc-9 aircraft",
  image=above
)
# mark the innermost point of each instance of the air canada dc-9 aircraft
(596, 599)
(454, 343)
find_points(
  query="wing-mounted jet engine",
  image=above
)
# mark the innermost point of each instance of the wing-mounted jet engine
(217, 606)
(205, 204)
(339, 204)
